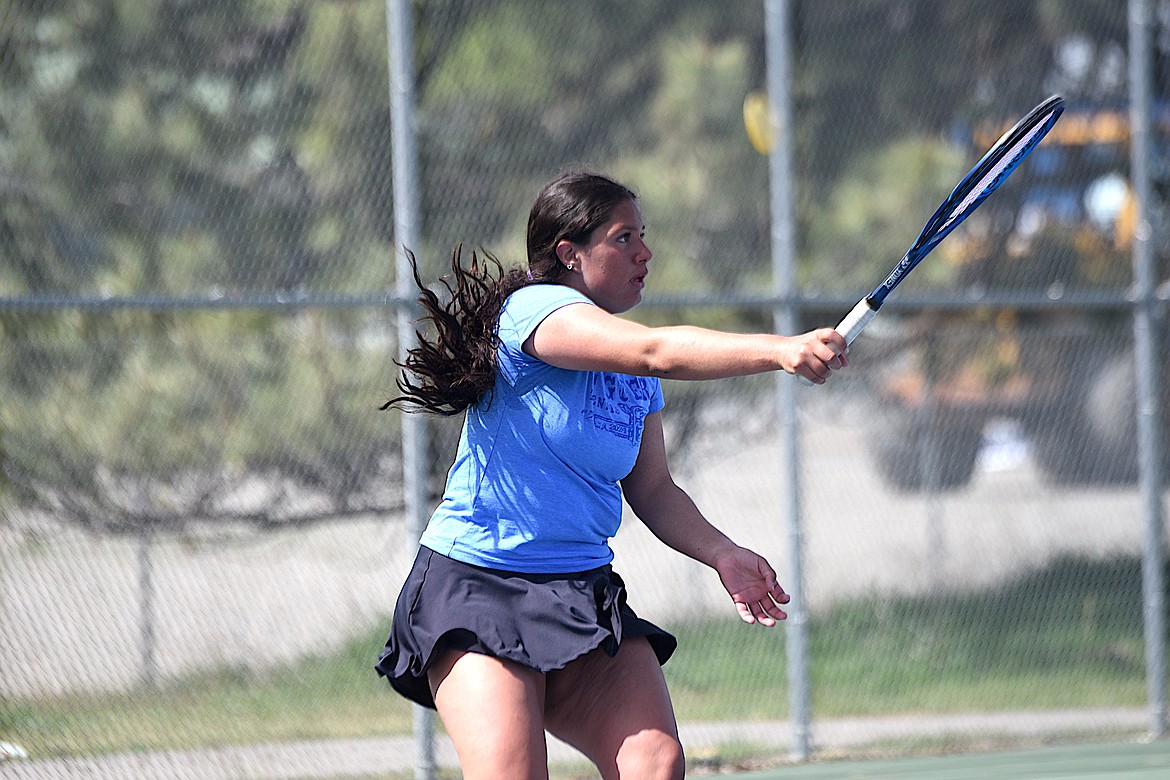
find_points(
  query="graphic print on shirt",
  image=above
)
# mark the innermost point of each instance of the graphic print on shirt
(618, 404)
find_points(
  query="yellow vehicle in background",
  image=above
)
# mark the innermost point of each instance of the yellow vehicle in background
(1038, 342)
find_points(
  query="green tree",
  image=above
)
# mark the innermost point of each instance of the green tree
(227, 149)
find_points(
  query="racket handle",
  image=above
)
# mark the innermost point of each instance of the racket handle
(856, 320)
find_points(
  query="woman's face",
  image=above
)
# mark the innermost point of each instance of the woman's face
(610, 268)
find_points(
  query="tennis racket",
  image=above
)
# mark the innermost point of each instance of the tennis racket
(982, 180)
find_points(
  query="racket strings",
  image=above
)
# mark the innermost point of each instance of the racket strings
(991, 170)
(991, 179)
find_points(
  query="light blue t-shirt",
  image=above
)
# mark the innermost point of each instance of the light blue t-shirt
(534, 487)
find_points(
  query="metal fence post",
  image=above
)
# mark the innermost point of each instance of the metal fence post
(406, 231)
(1147, 353)
(776, 17)
(146, 607)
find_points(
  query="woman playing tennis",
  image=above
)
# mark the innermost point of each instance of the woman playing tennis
(512, 622)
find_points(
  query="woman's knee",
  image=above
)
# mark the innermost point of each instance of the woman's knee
(653, 755)
(617, 711)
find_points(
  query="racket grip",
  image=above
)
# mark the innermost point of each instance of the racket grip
(856, 320)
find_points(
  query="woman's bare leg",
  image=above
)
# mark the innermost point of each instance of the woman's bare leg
(617, 712)
(494, 712)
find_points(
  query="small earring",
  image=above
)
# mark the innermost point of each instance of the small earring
(569, 266)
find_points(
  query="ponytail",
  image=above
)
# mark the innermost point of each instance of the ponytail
(457, 368)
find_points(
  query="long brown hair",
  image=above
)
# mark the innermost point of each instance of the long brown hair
(456, 368)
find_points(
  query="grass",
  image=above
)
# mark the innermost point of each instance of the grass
(1068, 636)
(339, 696)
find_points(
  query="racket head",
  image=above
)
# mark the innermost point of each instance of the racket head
(1004, 156)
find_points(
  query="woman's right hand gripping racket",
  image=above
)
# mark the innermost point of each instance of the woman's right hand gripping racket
(982, 180)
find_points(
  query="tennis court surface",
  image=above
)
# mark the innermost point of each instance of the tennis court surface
(1117, 761)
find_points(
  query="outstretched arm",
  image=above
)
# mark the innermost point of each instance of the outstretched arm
(587, 338)
(672, 516)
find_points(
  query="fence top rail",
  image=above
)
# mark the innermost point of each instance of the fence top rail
(208, 301)
(1036, 301)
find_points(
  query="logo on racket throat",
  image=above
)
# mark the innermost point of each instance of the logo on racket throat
(901, 269)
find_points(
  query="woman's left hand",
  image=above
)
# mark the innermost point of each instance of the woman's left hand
(751, 582)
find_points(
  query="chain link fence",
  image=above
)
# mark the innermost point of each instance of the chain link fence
(203, 520)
